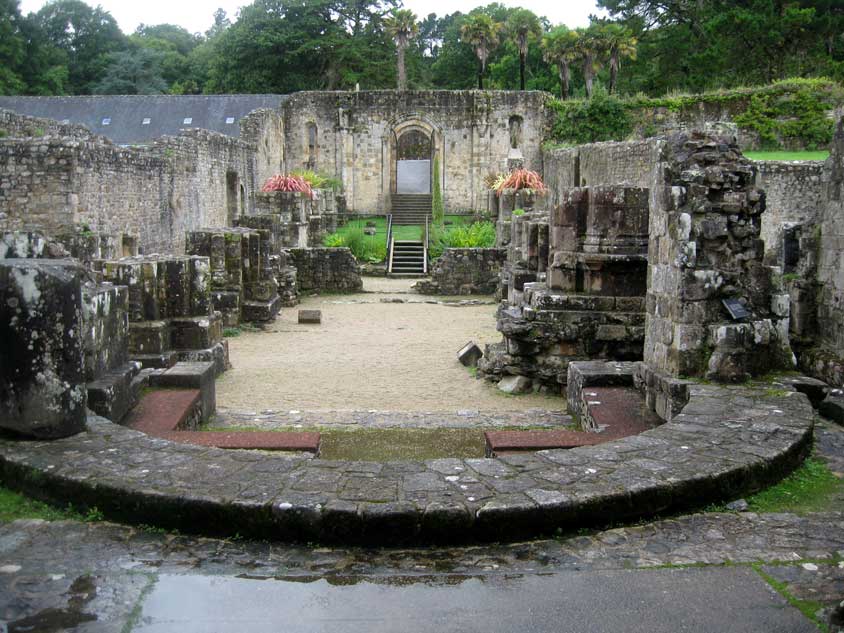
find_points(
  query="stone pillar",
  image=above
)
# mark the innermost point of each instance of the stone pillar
(704, 247)
(42, 365)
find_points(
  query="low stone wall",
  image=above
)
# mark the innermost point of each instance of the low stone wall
(464, 271)
(717, 449)
(325, 269)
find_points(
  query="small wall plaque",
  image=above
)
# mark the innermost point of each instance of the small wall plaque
(736, 309)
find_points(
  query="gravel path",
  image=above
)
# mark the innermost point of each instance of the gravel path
(368, 355)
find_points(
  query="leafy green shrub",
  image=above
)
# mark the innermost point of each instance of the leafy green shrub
(333, 240)
(318, 181)
(518, 211)
(601, 118)
(364, 247)
(477, 235)
(794, 116)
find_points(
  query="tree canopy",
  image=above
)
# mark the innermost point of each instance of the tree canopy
(280, 46)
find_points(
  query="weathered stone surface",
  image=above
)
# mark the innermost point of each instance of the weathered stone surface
(310, 316)
(833, 408)
(42, 363)
(515, 384)
(325, 269)
(469, 354)
(464, 271)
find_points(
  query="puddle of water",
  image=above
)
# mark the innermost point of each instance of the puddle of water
(656, 601)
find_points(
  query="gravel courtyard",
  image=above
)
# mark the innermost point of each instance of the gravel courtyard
(369, 354)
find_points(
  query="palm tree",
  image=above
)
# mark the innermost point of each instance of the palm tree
(523, 26)
(590, 47)
(560, 47)
(402, 26)
(619, 42)
(480, 32)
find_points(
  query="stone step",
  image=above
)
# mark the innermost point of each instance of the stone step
(163, 410)
(112, 395)
(505, 442)
(616, 411)
(197, 375)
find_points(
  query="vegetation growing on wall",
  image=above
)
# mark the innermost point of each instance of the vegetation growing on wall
(476, 235)
(437, 207)
(788, 113)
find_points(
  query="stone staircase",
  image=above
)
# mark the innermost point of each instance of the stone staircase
(407, 259)
(411, 208)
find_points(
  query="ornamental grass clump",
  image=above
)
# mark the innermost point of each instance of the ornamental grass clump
(291, 183)
(522, 180)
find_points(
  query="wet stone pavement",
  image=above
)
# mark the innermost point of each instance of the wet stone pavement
(57, 576)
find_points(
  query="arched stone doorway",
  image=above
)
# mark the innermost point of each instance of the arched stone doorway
(414, 154)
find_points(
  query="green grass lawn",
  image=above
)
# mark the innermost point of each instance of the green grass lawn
(821, 155)
(375, 246)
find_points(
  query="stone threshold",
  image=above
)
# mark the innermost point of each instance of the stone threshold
(728, 441)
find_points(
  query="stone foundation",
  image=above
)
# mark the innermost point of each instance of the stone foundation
(325, 269)
(243, 282)
(464, 271)
(171, 317)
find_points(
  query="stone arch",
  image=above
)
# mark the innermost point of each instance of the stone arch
(418, 127)
(515, 126)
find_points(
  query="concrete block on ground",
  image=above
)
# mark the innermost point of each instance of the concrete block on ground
(515, 384)
(310, 316)
(217, 354)
(196, 332)
(261, 311)
(42, 364)
(816, 390)
(199, 375)
(470, 354)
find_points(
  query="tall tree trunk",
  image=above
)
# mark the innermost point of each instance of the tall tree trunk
(402, 71)
(613, 73)
(565, 78)
(521, 71)
(588, 76)
(480, 74)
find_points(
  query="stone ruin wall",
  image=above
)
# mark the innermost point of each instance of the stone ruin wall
(153, 194)
(264, 129)
(793, 196)
(471, 136)
(826, 359)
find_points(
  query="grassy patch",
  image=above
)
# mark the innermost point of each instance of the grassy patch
(14, 505)
(232, 332)
(807, 489)
(808, 608)
(820, 155)
(381, 445)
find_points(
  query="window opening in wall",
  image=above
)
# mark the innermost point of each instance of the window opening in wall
(187, 121)
(106, 121)
(515, 125)
(231, 197)
(229, 120)
(791, 248)
(312, 144)
(146, 121)
(65, 121)
(242, 200)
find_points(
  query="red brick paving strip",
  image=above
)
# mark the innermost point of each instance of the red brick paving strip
(620, 411)
(263, 440)
(161, 411)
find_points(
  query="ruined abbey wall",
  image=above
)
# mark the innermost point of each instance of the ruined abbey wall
(831, 260)
(71, 178)
(356, 138)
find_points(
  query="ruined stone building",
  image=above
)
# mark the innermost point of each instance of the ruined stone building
(589, 271)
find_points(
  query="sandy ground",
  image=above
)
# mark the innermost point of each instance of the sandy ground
(367, 355)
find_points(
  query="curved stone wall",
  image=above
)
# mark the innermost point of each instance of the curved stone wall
(728, 441)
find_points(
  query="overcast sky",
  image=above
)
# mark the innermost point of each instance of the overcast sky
(196, 15)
